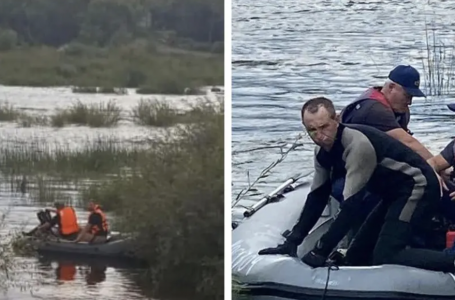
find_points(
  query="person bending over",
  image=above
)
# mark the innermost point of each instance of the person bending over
(372, 161)
(385, 108)
(65, 218)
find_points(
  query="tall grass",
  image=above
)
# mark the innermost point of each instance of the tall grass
(94, 157)
(93, 115)
(438, 65)
(150, 112)
(46, 191)
(161, 114)
(8, 112)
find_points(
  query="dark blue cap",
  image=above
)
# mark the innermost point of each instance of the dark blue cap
(409, 78)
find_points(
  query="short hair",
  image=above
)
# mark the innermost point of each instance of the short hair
(314, 104)
(58, 205)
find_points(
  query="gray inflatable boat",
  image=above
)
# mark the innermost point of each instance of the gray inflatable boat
(283, 277)
(115, 247)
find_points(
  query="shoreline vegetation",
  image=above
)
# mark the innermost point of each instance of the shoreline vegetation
(155, 47)
(168, 190)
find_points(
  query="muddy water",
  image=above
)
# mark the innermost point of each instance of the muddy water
(51, 277)
(289, 51)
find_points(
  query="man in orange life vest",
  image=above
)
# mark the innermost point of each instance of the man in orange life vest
(66, 219)
(96, 229)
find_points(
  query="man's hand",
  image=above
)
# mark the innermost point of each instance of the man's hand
(446, 174)
(314, 260)
(442, 184)
(452, 196)
(283, 249)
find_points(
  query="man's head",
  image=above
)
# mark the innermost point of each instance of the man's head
(402, 84)
(320, 121)
(59, 205)
(91, 205)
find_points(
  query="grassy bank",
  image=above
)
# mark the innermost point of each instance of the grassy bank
(170, 192)
(138, 65)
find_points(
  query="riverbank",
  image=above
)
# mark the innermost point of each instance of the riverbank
(150, 68)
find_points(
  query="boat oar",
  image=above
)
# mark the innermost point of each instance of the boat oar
(273, 195)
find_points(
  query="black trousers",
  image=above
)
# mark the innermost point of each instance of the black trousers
(386, 235)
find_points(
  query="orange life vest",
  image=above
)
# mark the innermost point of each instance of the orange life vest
(95, 228)
(68, 221)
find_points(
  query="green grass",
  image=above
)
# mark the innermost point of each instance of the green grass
(93, 115)
(161, 114)
(134, 66)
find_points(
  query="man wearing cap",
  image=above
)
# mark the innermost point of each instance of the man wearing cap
(385, 108)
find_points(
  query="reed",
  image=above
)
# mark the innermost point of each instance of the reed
(93, 115)
(94, 157)
(438, 63)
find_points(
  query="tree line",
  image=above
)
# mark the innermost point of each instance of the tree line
(108, 22)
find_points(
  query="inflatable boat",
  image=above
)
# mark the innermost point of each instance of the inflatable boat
(116, 246)
(283, 277)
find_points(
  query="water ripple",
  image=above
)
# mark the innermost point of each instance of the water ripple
(288, 51)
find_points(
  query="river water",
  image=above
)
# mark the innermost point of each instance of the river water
(43, 278)
(288, 51)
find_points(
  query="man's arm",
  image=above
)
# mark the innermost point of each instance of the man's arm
(84, 230)
(360, 161)
(384, 119)
(410, 141)
(444, 159)
(316, 201)
(87, 227)
(55, 220)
